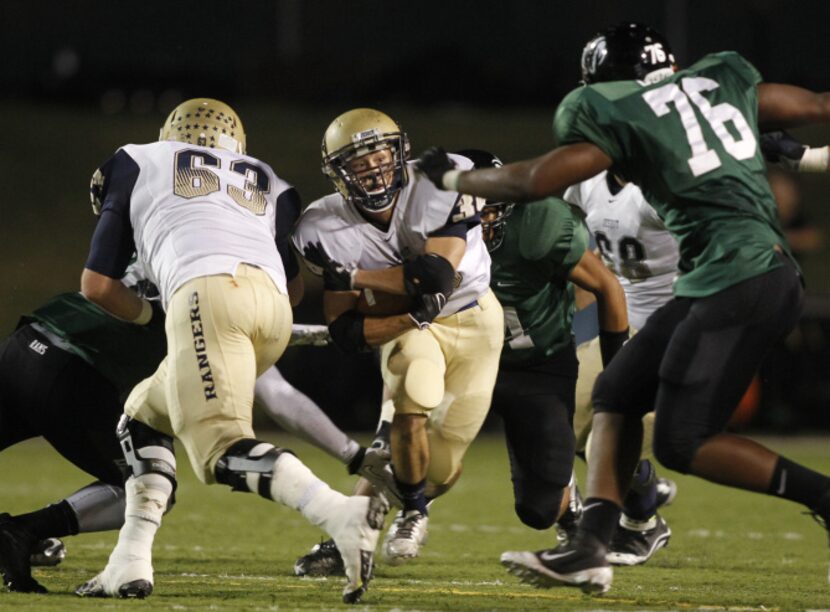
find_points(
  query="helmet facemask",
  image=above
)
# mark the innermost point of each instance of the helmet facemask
(493, 223)
(371, 170)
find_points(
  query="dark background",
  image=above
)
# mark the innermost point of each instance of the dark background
(80, 78)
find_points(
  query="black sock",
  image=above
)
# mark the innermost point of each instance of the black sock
(354, 464)
(641, 502)
(600, 518)
(413, 496)
(53, 521)
(798, 483)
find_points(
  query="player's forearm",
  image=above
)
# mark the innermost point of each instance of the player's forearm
(380, 330)
(612, 313)
(389, 280)
(114, 297)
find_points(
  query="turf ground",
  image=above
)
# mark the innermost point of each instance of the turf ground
(223, 551)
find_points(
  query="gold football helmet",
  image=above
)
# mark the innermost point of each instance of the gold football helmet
(206, 123)
(364, 154)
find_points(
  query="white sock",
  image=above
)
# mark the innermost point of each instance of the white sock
(296, 486)
(147, 497)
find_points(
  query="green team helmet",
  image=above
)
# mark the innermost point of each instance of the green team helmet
(625, 52)
(493, 214)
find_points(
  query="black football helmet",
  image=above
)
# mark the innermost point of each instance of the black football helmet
(628, 51)
(493, 214)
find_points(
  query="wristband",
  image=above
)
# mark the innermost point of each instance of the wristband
(610, 343)
(146, 313)
(450, 179)
(815, 159)
(352, 274)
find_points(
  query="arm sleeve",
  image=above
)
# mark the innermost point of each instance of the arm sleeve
(112, 243)
(288, 211)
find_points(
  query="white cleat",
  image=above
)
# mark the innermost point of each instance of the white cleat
(355, 527)
(133, 579)
(405, 537)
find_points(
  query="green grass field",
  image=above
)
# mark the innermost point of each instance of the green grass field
(222, 551)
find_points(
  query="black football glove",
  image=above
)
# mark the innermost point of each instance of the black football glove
(336, 276)
(781, 148)
(426, 307)
(434, 163)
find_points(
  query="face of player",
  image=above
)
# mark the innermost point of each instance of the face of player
(375, 171)
(488, 216)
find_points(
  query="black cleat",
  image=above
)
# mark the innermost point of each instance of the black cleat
(580, 563)
(323, 560)
(16, 546)
(635, 542)
(48, 553)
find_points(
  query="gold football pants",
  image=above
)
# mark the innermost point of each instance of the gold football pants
(446, 372)
(222, 332)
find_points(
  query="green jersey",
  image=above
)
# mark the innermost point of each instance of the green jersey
(122, 352)
(690, 142)
(543, 241)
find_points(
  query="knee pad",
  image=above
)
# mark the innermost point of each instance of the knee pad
(248, 465)
(146, 450)
(537, 505)
(424, 383)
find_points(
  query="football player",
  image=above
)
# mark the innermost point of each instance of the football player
(389, 232)
(63, 374)
(210, 225)
(738, 291)
(539, 251)
(635, 244)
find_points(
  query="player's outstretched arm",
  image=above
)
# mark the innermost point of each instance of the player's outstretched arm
(521, 181)
(786, 106)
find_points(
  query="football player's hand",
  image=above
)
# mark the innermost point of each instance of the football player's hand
(781, 148)
(336, 276)
(426, 307)
(435, 163)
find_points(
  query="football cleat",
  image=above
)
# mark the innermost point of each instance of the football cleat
(135, 589)
(666, 492)
(355, 528)
(16, 545)
(579, 564)
(635, 542)
(568, 522)
(375, 467)
(322, 560)
(48, 553)
(405, 537)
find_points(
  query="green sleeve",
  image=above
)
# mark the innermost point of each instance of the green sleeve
(553, 232)
(742, 66)
(583, 117)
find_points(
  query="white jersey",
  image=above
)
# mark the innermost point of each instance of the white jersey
(198, 211)
(633, 242)
(421, 209)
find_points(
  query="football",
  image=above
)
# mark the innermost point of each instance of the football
(382, 304)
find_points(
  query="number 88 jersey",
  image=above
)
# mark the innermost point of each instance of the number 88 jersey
(632, 240)
(690, 142)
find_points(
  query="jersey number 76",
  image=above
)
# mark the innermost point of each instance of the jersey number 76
(703, 158)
